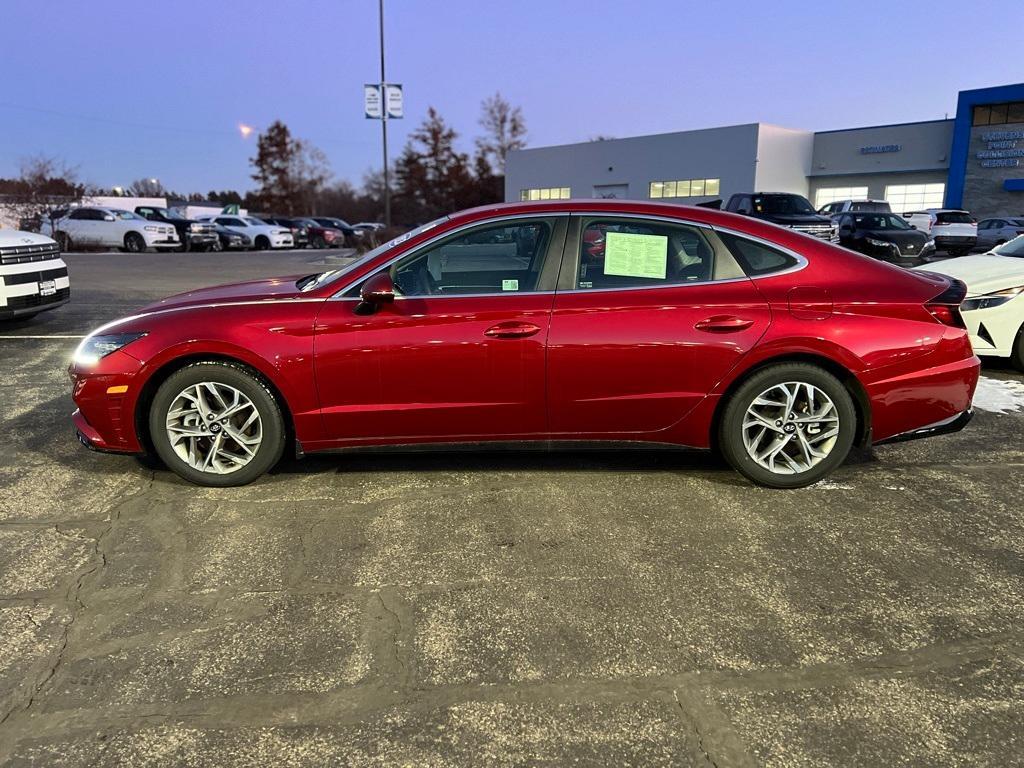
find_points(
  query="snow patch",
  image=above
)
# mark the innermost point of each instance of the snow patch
(831, 485)
(999, 396)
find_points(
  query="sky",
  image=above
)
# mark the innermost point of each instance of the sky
(128, 90)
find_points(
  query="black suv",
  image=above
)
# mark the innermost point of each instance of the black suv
(194, 235)
(784, 209)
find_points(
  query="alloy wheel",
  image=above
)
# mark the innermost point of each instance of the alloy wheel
(790, 427)
(214, 427)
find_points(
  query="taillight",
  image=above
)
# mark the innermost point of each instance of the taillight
(945, 307)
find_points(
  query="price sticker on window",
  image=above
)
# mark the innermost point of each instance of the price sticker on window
(510, 285)
(630, 255)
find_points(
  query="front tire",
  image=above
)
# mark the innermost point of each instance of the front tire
(63, 242)
(788, 426)
(262, 243)
(1017, 355)
(134, 243)
(216, 424)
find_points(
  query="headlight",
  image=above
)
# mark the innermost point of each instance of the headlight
(95, 348)
(152, 229)
(878, 243)
(990, 300)
(196, 227)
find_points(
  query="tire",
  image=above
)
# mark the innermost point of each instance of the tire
(233, 463)
(134, 243)
(318, 242)
(792, 467)
(63, 241)
(186, 246)
(216, 246)
(262, 243)
(1017, 355)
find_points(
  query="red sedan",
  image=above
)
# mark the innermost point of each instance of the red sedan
(507, 325)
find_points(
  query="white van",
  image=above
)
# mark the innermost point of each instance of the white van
(33, 276)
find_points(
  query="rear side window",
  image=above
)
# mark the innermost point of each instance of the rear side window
(635, 253)
(757, 258)
(952, 217)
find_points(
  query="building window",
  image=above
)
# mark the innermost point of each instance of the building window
(999, 114)
(827, 195)
(685, 188)
(914, 197)
(545, 193)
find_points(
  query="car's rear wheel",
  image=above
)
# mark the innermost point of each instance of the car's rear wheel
(788, 426)
(63, 241)
(216, 424)
(134, 243)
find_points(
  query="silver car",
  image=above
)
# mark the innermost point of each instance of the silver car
(993, 232)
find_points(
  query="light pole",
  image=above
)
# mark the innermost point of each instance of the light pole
(384, 119)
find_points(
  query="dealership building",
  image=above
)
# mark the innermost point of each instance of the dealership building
(974, 161)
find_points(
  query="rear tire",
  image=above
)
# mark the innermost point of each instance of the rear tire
(197, 444)
(788, 446)
(63, 241)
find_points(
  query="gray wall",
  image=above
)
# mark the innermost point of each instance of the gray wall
(783, 159)
(924, 147)
(727, 153)
(984, 195)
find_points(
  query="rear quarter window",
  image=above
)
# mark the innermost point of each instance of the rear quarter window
(757, 258)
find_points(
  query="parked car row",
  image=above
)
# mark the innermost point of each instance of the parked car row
(154, 227)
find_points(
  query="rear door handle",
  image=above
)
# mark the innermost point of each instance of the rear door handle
(511, 330)
(723, 324)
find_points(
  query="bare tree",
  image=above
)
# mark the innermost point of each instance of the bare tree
(149, 187)
(43, 183)
(505, 130)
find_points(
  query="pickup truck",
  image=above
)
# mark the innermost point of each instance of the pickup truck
(194, 235)
(785, 209)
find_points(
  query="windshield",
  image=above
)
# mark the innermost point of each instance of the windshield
(782, 204)
(869, 205)
(1013, 248)
(126, 215)
(168, 214)
(879, 221)
(254, 222)
(314, 281)
(953, 217)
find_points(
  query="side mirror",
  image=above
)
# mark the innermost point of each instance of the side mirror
(378, 290)
(913, 226)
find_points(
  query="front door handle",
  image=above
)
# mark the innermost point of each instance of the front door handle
(511, 330)
(723, 324)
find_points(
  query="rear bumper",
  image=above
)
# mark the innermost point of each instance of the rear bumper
(944, 427)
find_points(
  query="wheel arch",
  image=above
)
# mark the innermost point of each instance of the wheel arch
(861, 403)
(169, 367)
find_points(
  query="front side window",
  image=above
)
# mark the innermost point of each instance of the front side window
(633, 254)
(497, 259)
(82, 214)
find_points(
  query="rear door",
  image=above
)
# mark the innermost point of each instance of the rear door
(650, 315)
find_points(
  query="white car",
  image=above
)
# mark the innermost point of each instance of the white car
(262, 235)
(95, 227)
(994, 307)
(951, 229)
(33, 277)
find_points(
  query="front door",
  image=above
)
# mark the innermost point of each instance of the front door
(649, 317)
(459, 355)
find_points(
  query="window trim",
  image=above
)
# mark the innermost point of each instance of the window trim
(555, 255)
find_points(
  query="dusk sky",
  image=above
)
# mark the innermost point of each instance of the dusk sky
(128, 90)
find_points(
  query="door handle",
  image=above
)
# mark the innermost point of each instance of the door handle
(723, 324)
(511, 330)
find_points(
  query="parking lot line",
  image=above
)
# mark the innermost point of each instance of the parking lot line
(49, 336)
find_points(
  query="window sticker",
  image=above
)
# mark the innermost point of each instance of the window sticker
(510, 285)
(635, 255)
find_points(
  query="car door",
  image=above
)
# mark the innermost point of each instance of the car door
(83, 226)
(459, 354)
(649, 316)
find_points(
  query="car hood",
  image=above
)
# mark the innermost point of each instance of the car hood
(12, 238)
(790, 219)
(898, 236)
(253, 290)
(983, 273)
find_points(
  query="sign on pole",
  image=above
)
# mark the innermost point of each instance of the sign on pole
(393, 93)
(372, 104)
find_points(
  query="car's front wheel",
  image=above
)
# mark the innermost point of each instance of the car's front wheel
(134, 243)
(215, 423)
(788, 425)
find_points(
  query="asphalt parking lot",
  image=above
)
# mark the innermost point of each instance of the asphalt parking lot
(495, 609)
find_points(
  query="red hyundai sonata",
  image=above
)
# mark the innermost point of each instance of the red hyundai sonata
(506, 325)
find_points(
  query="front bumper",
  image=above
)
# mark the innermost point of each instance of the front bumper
(106, 397)
(34, 304)
(201, 239)
(282, 241)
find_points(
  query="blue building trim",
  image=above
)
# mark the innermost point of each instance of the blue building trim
(958, 156)
(1013, 185)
